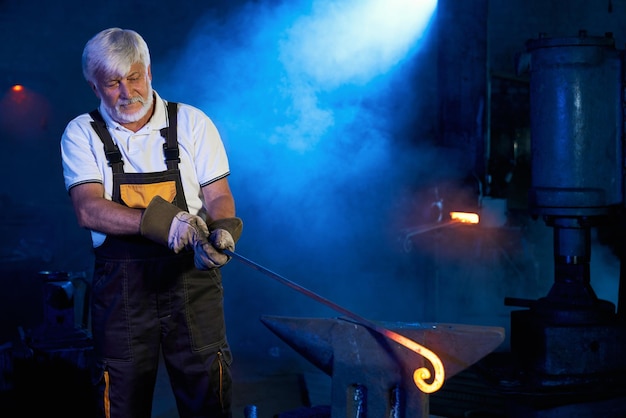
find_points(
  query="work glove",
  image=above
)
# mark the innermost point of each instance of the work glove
(223, 235)
(167, 224)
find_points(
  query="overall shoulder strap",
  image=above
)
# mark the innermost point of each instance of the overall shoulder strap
(112, 152)
(170, 147)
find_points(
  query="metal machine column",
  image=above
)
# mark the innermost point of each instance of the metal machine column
(570, 339)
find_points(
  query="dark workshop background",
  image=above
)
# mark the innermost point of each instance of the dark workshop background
(341, 143)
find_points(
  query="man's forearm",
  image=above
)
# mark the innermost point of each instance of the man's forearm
(109, 217)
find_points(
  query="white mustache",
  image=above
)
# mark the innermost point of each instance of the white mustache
(131, 101)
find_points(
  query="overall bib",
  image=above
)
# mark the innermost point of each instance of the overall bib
(145, 298)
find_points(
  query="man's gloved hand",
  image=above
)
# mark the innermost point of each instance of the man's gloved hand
(224, 233)
(207, 256)
(186, 229)
(167, 224)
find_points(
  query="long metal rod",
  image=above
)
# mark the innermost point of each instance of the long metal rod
(430, 227)
(420, 374)
(300, 288)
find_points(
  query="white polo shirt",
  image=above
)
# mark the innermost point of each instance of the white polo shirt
(203, 158)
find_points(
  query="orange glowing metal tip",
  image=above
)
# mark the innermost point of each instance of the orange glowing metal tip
(420, 375)
(17, 88)
(464, 217)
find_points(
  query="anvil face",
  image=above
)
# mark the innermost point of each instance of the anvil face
(372, 376)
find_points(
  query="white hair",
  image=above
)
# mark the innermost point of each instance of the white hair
(112, 52)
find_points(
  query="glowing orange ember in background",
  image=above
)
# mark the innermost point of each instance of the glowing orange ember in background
(24, 114)
(465, 217)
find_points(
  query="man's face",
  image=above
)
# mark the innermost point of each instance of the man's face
(126, 98)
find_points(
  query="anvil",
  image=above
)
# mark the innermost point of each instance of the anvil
(372, 376)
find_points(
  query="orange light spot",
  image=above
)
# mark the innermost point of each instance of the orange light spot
(17, 88)
(464, 217)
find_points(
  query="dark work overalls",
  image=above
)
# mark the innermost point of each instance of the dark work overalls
(145, 297)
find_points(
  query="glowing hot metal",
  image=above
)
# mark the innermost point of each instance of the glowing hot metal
(456, 218)
(464, 217)
(420, 375)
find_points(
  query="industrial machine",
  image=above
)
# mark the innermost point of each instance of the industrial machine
(569, 345)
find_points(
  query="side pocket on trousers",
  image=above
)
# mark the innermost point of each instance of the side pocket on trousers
(204, 308)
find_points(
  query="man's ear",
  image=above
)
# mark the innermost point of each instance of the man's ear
(95, 90)
(150, 72)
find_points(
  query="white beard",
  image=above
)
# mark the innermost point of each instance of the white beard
(122, 117)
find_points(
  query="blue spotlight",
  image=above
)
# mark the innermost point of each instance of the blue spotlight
(353, 41)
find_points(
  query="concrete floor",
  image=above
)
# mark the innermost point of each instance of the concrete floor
(273, 386)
